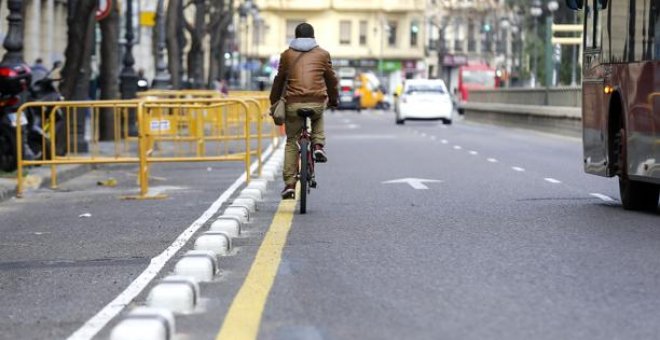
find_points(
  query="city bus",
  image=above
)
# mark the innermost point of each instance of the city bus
(475, 77)
(621, 96)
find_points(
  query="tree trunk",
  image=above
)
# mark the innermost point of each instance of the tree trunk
(174, 48)
(218, 31)
(109, 81)
(77, 69)
(196, 53)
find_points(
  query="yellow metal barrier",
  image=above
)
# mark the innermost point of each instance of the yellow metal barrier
(163, 125)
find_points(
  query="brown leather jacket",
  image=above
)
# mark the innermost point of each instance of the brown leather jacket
(312, 80)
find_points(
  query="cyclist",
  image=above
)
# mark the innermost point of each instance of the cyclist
(311, 84)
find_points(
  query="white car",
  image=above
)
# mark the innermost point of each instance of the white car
(423, 99)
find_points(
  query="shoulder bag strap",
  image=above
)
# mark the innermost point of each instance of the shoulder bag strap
(286, 79)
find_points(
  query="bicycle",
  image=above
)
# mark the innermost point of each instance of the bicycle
(306, 166)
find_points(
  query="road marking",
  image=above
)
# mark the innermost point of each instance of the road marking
(519, 169)
(434, 137)
(552, 180)
(353, 126)
(415, 183)
(492, 160)
(457, 147)
(444, 141)
(244, 316)
(602, 197)
(473, 153)
(423, 134)
(98, 321)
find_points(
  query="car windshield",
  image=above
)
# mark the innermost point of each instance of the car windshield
(425, 88)
(484, 78)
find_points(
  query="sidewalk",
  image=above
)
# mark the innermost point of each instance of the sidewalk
(39, 177)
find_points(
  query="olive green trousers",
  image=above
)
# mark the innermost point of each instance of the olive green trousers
(293, 126)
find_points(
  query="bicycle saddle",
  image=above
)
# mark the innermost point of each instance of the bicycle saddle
(305, 113)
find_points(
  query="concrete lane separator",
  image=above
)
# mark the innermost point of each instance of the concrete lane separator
(144, 323)
(178, 294)
(243, 318)
(94, 325)
(230, 227)
(249, 202)
(216, 241)
(240, 211)
(202, 265)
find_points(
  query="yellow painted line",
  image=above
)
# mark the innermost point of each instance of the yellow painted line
(243, 319)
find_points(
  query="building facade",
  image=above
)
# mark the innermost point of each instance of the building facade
(385, 37)
(465, 32)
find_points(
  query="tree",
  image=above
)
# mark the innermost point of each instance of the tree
(109, 68)
(176, 41)
(221, 17)
(77, 69)
(197, 31)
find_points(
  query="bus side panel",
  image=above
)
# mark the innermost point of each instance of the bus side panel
(643, 121)
(594, 117)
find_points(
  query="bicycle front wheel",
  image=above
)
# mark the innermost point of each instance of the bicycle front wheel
(304, 175)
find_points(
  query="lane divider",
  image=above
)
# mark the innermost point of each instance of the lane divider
(244, 316)
(117, 305)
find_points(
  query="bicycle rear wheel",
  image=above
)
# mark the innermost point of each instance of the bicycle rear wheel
(304, 175)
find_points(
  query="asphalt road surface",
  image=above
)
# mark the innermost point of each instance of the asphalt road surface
(508, 239)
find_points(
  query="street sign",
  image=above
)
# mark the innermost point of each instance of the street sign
(103, 9)
(415, 183)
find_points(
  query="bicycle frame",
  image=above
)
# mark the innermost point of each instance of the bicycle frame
(306, 176)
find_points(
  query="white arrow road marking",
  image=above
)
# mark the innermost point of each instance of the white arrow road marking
(519, 169)
(552, 180)
(415, 183)
(602, 197)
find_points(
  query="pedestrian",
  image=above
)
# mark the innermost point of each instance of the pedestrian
(56, 72)
(305, 74)
(223, 88)
(39, 71)
(142, 83)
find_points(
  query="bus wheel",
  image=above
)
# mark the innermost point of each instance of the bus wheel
(638, 195)
(634, 195)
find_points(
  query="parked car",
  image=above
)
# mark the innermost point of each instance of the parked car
(424, 99)
(349, 96)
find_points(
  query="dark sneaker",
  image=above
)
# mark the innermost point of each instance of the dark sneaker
(319, 154)
(289, 192)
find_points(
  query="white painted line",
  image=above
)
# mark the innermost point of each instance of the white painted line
(444, 141)
(519, 169)
(423, 134)
(473, 153)
(98, 321)
(602, 197)
(552, 180)
(353, 126)
(457, 147)
(492, 160)
(434, 137)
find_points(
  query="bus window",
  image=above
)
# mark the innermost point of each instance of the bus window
(616, 33)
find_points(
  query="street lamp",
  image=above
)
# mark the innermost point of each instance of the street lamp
(128, 76)
(162, 78)
(536, 11)
(553, 5)
(14, 40)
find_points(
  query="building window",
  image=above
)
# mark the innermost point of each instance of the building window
(414, 33)
(344, 32)
(291, 29)
(391, 33)
(363, 33)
